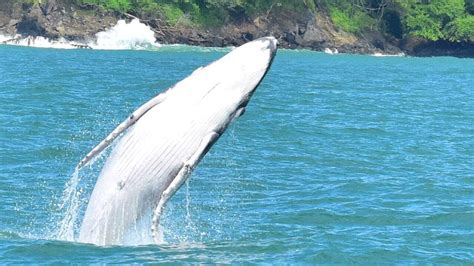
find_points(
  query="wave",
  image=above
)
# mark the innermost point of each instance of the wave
(126, 36)
(385, 55)
(40, 42)
(123, 36)
(331, 51)
(185, 48)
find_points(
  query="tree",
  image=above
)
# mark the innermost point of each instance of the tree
(433, 20)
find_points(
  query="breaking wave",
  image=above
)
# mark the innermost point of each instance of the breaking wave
(331, 51)
(123, 36)
(40, 42)
(390, 55)
(126, 36)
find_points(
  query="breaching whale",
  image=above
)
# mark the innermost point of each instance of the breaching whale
(164, 139)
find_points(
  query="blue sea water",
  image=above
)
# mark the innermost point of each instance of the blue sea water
(338, 159)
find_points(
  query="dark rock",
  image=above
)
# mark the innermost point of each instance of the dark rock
(30, 27)
(442, 48)
(26, 6)
(410, 43)
(247, 37)
(378, 43)
(49, 6)
(216, 42)
(301, 29)
(314, 35)
(290, 37)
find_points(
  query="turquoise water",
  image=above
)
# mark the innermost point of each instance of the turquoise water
(338, 159)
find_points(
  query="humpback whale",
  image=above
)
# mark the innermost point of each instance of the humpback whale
(164, 139)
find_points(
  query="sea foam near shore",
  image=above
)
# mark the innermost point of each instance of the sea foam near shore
(123, 36)
(39, 42)
(390, 55)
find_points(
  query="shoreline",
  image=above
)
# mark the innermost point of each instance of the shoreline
(312, 31)
(72, 45)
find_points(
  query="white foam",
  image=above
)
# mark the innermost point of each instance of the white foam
(4, 38)
(123, 36)
(70, 203)
(40, 42)
(384, 55)
(331, 51)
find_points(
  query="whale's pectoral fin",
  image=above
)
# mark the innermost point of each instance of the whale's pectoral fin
(121, 128)
(180, 178)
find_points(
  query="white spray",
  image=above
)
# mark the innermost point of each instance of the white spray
(123, 36)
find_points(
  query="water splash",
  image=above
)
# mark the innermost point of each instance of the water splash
(331, 51)
(386, 55)
(123, 36)
(76, 194)
(190, 226)
(126, 36)
(70, 203)
(4, 38)
(181, 222)
(39, 42)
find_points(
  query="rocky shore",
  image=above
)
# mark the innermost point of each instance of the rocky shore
(56, 19)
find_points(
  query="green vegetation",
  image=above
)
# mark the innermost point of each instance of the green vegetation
(201, 12)
(118, 5)
(353, 22)
(450, 20)
(440, 19)
(172, 13)
(461, 29)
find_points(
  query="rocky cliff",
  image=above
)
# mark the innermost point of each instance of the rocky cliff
(53, 19)
(65, 19)
(310, 31)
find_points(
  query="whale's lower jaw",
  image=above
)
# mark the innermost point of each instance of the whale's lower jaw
(166, 139)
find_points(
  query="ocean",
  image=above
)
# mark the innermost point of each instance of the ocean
(339, 159)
